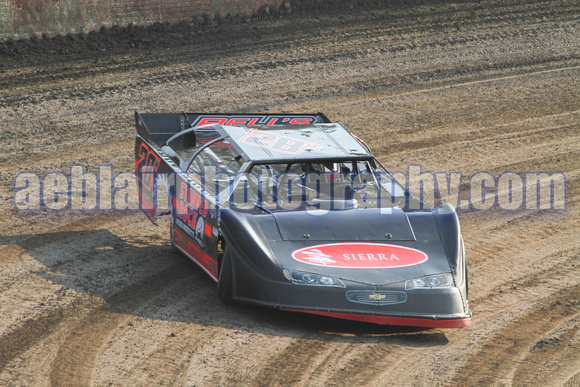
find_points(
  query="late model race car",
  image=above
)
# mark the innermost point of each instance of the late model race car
(292, 211)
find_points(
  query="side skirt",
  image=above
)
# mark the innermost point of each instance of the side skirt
(212, 275)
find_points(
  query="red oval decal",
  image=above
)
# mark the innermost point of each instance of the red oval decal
(360, 255)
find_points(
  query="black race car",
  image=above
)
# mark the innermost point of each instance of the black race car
(292, 211)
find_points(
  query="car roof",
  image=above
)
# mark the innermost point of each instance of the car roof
(281, 143)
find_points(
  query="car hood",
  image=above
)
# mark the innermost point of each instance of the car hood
(366, 245)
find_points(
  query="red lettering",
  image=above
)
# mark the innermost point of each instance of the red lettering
(301, 121)
(146, 165)
(143, 151)
(267, 120)
(213, 120)
(238, 121)
(183, 191)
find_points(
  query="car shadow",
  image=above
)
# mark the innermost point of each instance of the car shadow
(146, 277)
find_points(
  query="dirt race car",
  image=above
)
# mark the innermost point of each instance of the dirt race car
(292, 211)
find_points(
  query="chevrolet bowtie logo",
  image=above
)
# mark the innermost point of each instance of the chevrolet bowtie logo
(377, 296)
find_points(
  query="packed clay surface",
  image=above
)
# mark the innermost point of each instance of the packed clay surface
(100, 297)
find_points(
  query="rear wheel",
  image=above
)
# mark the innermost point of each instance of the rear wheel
(225, 280)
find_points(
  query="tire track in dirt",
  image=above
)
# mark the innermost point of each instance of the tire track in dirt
(27, 334)
(401, 23)
(295, 363)
(76, 357)
(338, 360)
(553, 358)
(160, 335)
(489, 365)
(89, 328)
(169, 362)
(334, 39)
(399, 79)
(560, 233)
(463, 86)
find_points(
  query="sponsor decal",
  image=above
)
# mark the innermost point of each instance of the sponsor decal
(147, 164)
(194, 252)
(360, 255)
(191, 198)
(190, 210)
(208, 230)
(254, 120)
(277, 142)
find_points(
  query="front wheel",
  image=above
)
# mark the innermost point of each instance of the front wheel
(466, 285)
(225, 280)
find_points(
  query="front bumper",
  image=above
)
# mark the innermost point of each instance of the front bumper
(431, 308)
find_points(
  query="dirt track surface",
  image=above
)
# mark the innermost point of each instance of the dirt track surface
(101, 298)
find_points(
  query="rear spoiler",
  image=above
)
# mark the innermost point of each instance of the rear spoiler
(158, 127)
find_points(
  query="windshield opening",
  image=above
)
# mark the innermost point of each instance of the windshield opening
(326, 186)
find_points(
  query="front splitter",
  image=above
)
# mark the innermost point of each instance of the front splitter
(389, 320)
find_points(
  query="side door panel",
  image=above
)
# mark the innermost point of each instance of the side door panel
(194, 224)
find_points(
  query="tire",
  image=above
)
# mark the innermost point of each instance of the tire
(172, 237)
(171, 228)
(466, 284)
(225, 280)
